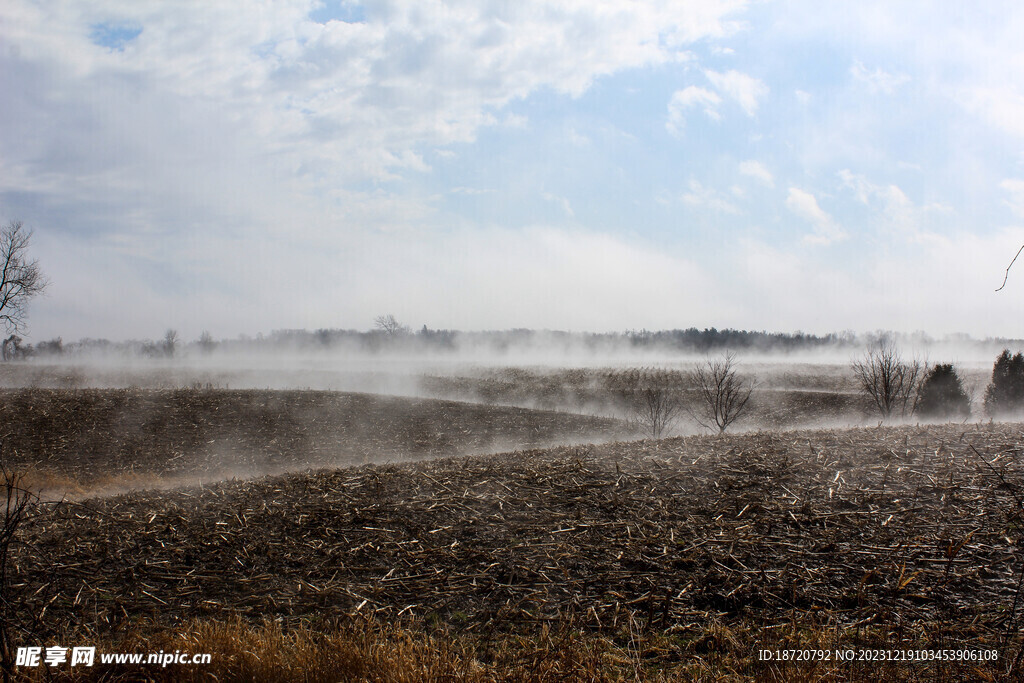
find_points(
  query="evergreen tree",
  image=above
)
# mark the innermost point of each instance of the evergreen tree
(1005, 394)
(943, 395)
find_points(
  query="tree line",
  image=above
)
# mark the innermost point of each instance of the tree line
(389, 334)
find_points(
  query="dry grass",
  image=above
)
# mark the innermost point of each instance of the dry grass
(361, 651)
(369, 651)
(412, 652)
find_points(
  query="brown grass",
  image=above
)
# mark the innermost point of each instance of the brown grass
(412, 652)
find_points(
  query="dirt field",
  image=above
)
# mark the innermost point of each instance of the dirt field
(283, 527)
(906, 534)
(78, 441)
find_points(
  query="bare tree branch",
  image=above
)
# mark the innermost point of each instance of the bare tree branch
(1007, 276)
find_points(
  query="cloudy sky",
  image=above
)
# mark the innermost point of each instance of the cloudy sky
(241, 167)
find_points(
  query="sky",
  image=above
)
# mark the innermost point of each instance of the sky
(242, 167)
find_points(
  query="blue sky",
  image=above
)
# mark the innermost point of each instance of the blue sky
(243, 167)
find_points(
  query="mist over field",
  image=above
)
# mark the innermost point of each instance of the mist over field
(380, 362)
(799, 381)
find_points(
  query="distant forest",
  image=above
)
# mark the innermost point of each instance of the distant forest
(400, 339)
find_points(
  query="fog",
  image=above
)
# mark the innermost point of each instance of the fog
(550, 370)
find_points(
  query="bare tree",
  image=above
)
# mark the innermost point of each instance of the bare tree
(390, 326)
(722, 393)
(20, 278)
(170, 342)
(892, 382)
(655, 409)
(206, 342)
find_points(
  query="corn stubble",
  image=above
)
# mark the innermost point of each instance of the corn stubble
(622, 561)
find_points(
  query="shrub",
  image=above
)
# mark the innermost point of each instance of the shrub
(54, 347)
(1006, 392)
(943, 395)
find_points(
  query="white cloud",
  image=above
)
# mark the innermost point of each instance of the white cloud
(893, 212)
(702, 197)
(804, 205)
(338, 100)
(862, 189)
(577, 138)
(970, 60)
(746, 90)
(562, 202)
(223, 125)
(1002, 105)
(878, 81)
(515, 121)
(758, 171)
(685, 99)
